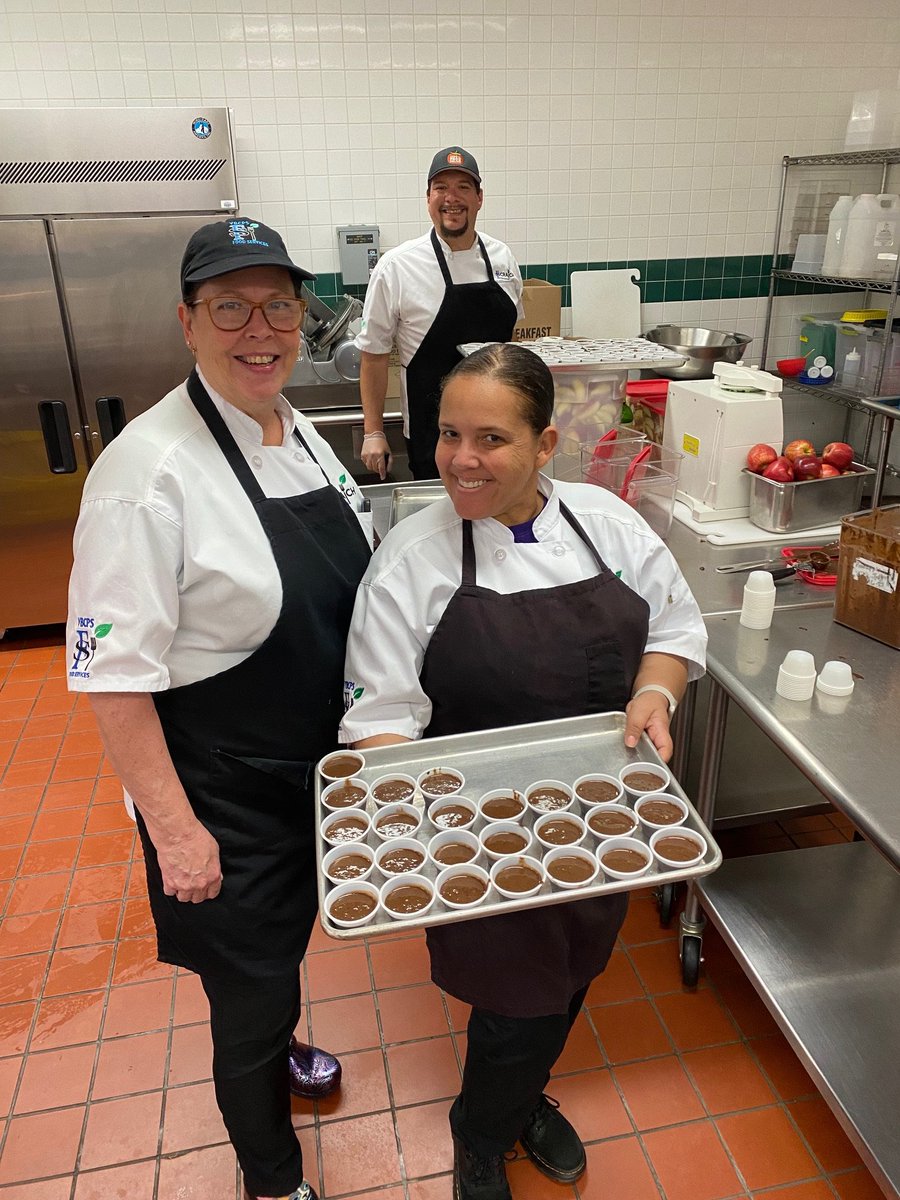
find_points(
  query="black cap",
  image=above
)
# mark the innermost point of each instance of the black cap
(454, 158)
(225, 246)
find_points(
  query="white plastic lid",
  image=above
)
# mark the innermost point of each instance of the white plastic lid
(835, 678)
(760, 581)
(799, 663)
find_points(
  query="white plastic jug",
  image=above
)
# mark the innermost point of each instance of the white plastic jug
(837, 230)
(887, 236)
(858, 255)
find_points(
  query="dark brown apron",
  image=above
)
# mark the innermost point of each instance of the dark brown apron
(245, 742)
(537, 655)
(469, 312)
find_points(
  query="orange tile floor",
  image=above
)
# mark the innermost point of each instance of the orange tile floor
(105, 1085)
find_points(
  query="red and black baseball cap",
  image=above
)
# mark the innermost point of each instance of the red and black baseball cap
(225, 246)
(454, 158)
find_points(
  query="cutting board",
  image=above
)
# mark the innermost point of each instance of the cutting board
(742, 531)
(606, 304)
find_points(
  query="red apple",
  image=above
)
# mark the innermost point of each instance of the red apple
(759, 457)
(800, 448)
(807, 466)
(838, 454)
(828, 471)
(781, 470)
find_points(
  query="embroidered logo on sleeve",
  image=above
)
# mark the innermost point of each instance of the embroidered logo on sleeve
(351, 693)
(87, 633)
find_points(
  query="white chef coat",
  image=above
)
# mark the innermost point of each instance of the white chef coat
(174, 578)
(416, 570)
(406, 290)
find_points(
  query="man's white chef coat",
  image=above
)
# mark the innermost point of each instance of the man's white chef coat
(406, 290)
(174, 578)
(418, 567)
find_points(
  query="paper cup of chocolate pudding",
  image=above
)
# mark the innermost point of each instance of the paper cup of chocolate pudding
(343, 864)
(678, 847)
(346, 826)
(407, 897)
(548, 796)
(517, 876)
(452, 812)
(624, 858)
(559, 829)
(454, 848)
(464, 886)
(396, 821)
(394, 788)
(352, 904)
(571, 867)
(597, 788)
(501, 838)
(400, 856)
(660, 810)
(610, 820)
(440, 781)
(502, 804)
(342, 764)
(639, 778)
(345, 793)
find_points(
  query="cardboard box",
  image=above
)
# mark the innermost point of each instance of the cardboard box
(868, 588)
(542, 302)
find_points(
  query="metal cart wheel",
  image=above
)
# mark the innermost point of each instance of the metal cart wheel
(691, 958)
(665, 900)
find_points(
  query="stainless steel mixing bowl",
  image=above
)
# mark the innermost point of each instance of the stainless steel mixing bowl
(699, 347)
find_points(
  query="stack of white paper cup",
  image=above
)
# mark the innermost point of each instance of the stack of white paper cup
(835, 678)
(796, 675)
(759, 600)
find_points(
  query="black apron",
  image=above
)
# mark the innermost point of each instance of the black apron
(245, 742)
(538, 655)
(469, 312)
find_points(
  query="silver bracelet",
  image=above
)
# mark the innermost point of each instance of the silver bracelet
(663, 691)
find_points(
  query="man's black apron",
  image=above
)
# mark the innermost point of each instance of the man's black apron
(244, 742)
(498, 660)
(469, 312)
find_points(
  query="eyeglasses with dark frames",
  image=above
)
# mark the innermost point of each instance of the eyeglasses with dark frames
(284, 314)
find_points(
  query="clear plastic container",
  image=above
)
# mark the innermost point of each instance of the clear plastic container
(587, 404)
(651, 489)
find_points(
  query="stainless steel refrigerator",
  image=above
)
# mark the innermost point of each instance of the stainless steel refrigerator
(96, 206)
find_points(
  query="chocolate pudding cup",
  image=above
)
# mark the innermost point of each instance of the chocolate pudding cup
(597, 788)
(517, 876)
(400, 856)
(624, 858)
(678, 847)
(353, 897)
(394, 788)
(610, 820)
(499, 839)
(341, 764)
(342, 864)
(571, 867)
(413, 896)
(549, 795)
(560, 829)
(455, 846)
(345, 826)
(660, 810)
(345, 793)
(639, 778)
(440, 781)
(396, 821)
(502, 804)
(452, 812)
(463, 886)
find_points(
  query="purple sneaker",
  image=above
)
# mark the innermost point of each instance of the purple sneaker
(314, 1073)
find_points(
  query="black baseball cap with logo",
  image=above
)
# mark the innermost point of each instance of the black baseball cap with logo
(225, 246)
(454, 158)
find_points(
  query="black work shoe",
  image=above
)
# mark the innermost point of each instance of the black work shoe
(477, 1178)
(552, 1144)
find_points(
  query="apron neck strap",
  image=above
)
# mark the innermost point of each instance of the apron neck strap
(442, 258)
(223, 437)
(468, 546)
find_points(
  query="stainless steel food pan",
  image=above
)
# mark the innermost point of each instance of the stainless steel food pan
(515, 756)
(790, 507)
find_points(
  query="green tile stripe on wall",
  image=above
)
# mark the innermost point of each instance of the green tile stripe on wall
(662, 279)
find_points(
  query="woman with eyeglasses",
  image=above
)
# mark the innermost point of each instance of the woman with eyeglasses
(217, 556)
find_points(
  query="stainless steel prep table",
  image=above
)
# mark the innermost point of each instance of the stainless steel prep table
(816, 930)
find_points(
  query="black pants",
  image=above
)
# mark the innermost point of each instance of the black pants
(508, 1063)
(420, 449)
(251, 1030)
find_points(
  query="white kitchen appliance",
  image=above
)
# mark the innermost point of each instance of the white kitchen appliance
(714, 422)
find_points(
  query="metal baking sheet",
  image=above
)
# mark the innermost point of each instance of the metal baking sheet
(512, 757)
(407, 500)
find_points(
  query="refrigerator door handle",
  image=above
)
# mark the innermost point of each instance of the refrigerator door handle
(111, 417)
(57, 437)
